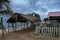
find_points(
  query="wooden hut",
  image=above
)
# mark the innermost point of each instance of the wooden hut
(18, 17)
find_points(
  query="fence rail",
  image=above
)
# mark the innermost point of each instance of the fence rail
(52, 29)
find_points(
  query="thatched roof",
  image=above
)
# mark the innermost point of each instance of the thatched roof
(21, 18)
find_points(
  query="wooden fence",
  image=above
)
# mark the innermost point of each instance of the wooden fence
(51, 29)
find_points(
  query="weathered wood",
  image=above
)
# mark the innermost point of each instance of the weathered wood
(24, 25)
(27, 27)
(21, 25)
(15, 27)
(16, 22)
(8, 27)
(18, 25)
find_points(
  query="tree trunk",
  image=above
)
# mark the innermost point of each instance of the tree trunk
(2, 28)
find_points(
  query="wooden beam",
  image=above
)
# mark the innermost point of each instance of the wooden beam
(24, 25)
(18, 25)
(21, 25)
(27, 27)
(15, 26)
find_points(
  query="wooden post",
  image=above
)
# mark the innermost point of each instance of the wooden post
(8, 27)
(49, 22)
(16, 22)
(21, 25)
(53, 28)
(18, 25)
(15, 26)
(24, 25)
(27, 27)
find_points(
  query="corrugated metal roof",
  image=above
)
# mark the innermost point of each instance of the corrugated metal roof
(54, 14)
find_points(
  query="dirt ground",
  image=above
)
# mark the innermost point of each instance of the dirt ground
(30, 35)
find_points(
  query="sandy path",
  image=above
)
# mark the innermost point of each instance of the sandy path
(30, 35)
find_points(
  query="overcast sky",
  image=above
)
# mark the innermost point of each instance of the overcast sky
(42, 7)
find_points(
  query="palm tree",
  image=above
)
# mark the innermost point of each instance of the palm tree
(45, 19)
(4, 3)
(37, 16)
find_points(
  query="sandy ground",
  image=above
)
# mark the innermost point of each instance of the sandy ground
(29, 35)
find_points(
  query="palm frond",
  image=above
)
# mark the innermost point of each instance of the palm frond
(2, 2)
